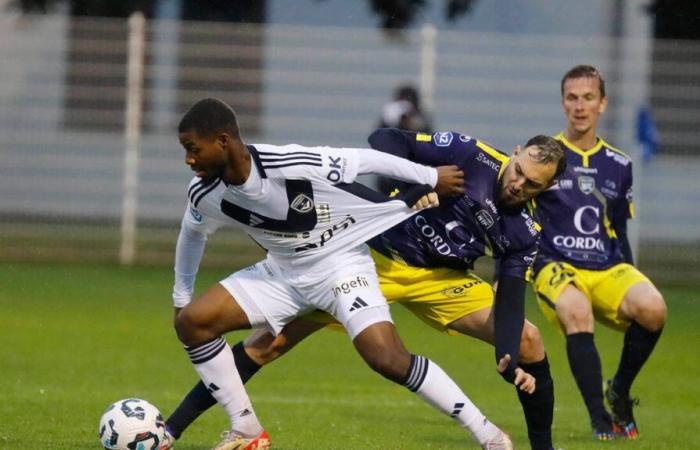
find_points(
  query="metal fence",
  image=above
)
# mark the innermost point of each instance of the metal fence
(91, 168)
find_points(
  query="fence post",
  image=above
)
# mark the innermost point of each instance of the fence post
(132, 136)
(427, 66)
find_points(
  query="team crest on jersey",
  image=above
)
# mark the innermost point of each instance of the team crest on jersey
(196, 215)
(302, 204)
(443, 138)
(586, 184)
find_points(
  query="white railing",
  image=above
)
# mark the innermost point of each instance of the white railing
(86, 135)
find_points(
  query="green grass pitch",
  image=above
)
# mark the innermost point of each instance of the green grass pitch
(75, 338)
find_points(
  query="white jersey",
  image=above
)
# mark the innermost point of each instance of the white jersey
(301, 203)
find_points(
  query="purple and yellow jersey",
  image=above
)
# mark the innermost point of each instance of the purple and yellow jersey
(461, 229)
(580, 212)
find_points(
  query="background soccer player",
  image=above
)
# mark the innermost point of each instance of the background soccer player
(424, 264)
(584, 268)
(302, 205)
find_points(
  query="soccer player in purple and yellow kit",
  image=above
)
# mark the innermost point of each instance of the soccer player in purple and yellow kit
(584, 268)
(425, 265)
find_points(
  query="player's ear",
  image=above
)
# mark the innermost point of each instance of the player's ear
(222, 140)
(517, 150)
(603, 105)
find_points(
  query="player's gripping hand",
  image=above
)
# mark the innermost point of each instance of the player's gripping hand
(429, 200)
(523, 380)
(450, 181)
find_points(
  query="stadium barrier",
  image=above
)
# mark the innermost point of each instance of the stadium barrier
(92, 170)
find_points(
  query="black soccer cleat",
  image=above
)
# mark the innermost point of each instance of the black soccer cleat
(603, 429)
(624, 424)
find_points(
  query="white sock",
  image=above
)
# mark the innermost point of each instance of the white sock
(433, 385)
(215, 365)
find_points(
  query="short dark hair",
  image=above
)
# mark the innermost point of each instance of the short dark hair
(550, 151)
(408, 92)
(208, 117)
(584, 71)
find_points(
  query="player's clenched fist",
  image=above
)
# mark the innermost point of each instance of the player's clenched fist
(450, 181)
(429, 200)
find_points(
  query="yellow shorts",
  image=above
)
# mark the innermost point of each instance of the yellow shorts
(604, 288)
(437, 296)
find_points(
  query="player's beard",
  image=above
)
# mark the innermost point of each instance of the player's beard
(506, 206)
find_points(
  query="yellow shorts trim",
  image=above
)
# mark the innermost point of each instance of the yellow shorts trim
(436, 296)
(605, 290)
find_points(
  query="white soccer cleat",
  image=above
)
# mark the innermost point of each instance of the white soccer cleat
(500, 442)
(232, 441)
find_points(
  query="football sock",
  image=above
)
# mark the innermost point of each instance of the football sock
(638, 345)
(217, 369)
(585, 365)
(199, 399)
(433, 385)
(245, 365)
(539, 406)
(192, 406)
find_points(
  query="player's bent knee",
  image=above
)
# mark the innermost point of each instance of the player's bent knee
(531, 346)
(183, 327)
(576, 320)
(656, 312)
(192, 327)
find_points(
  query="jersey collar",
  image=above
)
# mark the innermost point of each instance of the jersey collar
(585, 154)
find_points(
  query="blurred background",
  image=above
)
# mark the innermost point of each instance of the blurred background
(91, 92)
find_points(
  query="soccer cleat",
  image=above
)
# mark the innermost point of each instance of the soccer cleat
(168, 442)
(603, 429)
(624, 424)
(500, 442)
(233, 441)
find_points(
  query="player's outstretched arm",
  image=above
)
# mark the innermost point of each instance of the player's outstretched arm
(509, 317)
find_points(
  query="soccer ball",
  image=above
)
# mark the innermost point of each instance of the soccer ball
(131, 424)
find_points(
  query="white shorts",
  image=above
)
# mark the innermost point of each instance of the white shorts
(345, 285)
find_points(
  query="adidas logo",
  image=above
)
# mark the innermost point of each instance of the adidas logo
(254, 220)
(212, 387)
(245, 412)
(357, 304)
(457, 409)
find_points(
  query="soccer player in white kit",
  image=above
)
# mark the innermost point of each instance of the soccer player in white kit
(302, 205)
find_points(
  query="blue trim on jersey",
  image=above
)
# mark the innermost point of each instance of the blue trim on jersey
(270, 160)
(301, 215)
(197, 187)
(311, 155)
(203, 186)
(205, 192)
(256, 158)
(301, 163)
